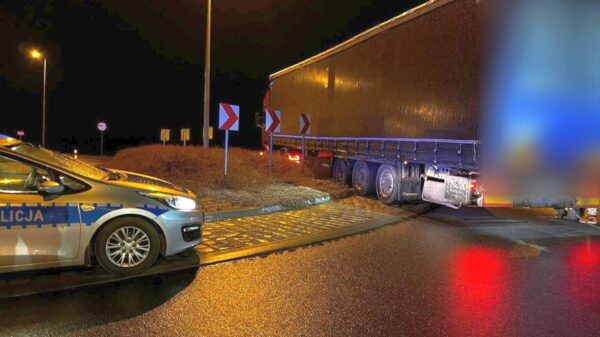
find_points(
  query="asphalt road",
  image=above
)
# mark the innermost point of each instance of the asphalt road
(449, 273)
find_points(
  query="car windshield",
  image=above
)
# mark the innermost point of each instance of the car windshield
(61, 161)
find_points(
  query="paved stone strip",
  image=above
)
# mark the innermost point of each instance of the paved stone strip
(250, 231)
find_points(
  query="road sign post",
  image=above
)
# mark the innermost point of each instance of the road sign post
(302, 154)
(165, 136)
(20, 133)
(185, 136)
(272, 125)
(102, 127)
(226, 152)
(229, 119)
(304, 131)
(271, 154)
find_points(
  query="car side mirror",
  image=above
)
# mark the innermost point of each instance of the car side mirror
(50, 187)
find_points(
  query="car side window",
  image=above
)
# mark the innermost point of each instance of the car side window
(71, 184)
(18, 177)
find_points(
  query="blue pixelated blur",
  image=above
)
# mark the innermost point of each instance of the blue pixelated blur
(541, 124)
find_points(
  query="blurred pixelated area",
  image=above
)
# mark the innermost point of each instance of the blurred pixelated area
(541, 124)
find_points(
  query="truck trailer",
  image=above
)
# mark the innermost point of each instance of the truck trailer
(399, 110)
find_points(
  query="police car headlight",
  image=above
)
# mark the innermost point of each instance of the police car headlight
(174, 201)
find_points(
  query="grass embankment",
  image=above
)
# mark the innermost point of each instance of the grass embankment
(198, 168)
(247, 183)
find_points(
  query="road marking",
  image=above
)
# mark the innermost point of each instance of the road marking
(538, 247)
(524, 249)
(594, 226)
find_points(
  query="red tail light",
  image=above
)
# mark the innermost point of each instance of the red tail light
(324, 155)
(473, 185)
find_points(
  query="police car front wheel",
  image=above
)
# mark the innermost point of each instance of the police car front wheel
(127, 245)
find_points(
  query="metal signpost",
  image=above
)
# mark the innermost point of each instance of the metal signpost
(20, 133)
(36, 54)
(185, 136)
(205, 137)
(102, 127)
(272, 125)
(304, 131)
(229, 119)
(165, 135)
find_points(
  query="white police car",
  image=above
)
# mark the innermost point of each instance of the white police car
(56, 211)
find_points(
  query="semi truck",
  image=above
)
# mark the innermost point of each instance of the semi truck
(401, 111)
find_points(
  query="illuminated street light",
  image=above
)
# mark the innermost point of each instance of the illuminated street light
(37, 55)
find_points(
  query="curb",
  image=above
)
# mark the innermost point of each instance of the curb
(250, 212)
(272, 247)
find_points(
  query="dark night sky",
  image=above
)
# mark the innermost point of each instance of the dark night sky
(139, 64)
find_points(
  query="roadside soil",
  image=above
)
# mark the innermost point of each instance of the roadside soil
(247, 184)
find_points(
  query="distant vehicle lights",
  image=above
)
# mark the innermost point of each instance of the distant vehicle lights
(294, 157)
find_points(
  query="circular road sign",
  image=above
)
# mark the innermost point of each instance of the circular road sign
(102, 126)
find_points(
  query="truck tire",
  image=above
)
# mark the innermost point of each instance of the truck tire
(387, 184)
(363, 178)
(127, 245)
(340, 171)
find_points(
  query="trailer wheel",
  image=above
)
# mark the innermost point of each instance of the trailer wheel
(339, 171)
(386, 184)
(363, 178)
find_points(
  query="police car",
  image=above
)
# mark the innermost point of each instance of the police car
(56, 211)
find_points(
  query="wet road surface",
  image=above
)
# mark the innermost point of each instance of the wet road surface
(448, 273)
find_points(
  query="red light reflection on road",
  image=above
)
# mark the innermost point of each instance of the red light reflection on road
(479, 298)
(583, 261)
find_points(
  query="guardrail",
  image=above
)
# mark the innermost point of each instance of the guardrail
(463, 153)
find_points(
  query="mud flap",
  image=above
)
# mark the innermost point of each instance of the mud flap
(410, 182)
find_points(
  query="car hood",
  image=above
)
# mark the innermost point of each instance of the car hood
(147, 183)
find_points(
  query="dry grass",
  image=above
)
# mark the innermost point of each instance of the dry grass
(247, 183)
(200, 169)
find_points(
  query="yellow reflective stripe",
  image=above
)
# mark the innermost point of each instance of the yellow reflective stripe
(588, 202)
(497, 201)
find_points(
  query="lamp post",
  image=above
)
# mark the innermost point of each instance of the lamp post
(37, 55)
(205, 138)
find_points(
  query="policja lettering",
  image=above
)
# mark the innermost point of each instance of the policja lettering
(11, 215)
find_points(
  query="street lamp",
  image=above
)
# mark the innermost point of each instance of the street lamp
(205, 139)
(37, 55)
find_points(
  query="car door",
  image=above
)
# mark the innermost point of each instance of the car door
(36, 230)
